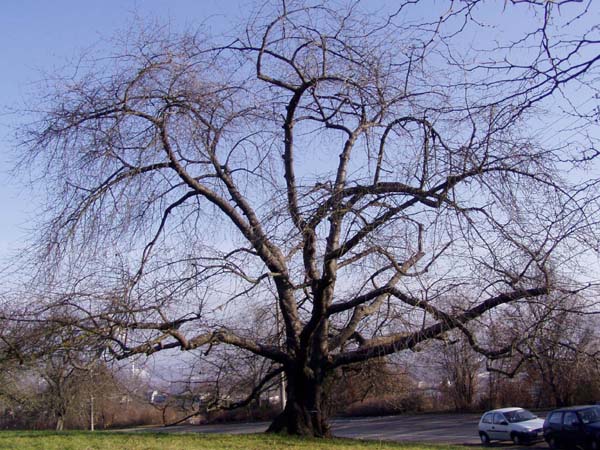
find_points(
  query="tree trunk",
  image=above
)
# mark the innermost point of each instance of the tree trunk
(305, 413)
(60, 423)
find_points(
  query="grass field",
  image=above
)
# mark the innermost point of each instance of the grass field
(79, 440)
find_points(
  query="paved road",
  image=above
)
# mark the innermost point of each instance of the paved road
(435, 428)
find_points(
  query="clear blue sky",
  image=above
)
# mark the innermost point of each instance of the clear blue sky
(42, 36)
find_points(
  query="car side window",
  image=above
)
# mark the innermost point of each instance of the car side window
(498, 419)
(487, 418)
(555, 418)
(590, 415)
(570, 418)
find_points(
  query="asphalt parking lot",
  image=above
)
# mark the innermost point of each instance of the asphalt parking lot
(434, 428)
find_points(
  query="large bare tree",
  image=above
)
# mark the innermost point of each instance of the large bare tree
(375, 178)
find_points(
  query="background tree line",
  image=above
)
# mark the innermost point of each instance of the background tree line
(554, 365)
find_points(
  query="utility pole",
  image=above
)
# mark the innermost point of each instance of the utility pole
(91, 399)
(282, 393)
(91, 413)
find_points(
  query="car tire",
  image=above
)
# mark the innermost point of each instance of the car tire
(595, 445)
(552, 443)
(516, 439)
(485, 439)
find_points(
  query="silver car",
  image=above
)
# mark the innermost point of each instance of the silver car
(516, 424)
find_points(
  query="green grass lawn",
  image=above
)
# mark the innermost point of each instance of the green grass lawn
(80, 440)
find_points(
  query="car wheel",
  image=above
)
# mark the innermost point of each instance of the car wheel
(485, 439)
(552, 443)
(595, 445)
(516, 439)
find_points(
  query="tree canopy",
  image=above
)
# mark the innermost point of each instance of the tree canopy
(376, 178)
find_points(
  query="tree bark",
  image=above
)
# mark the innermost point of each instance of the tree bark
(305, 413)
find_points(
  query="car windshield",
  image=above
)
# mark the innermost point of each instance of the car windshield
(590, 415)
(519, 415)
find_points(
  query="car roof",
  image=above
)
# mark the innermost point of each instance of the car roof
(574, 408)
(503, 410)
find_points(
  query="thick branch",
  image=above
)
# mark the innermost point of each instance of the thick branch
(398, 342)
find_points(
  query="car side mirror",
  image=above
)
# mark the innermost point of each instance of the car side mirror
(504, 422)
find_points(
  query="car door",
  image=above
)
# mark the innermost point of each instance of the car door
(553, 425)
(486, 424)
(500, 427)
(571, 429)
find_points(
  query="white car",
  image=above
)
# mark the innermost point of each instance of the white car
(516, 424)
